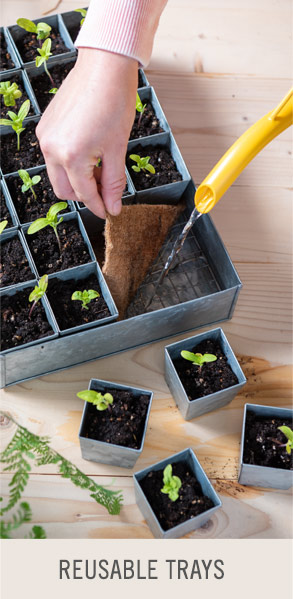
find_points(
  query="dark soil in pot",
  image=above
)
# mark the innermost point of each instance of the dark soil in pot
(140, 80)
(4, 212)
(19, 101)
(69, 313)
(41, 83)
(190, 503)
(147, 124)
(16, 327)
(73, 31)
(28, 45)
(122, 423)
(6, 61)
(161, 160)
(27, 207)
(262, 442)
(29, 154)
(45, 250)
(211, 377)
(14, 266)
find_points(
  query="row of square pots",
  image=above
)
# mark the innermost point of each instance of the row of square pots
(252, 475)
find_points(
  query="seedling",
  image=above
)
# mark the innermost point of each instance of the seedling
(38, 292)
(3, 224)
(51, 220)
(85, 297)
(17, 120)
(42, 30)
(83, 12)
(97, 399)
(28, 183)
(53, 90)
(289, 434)
(172, 484)
(198, 359)
(142, 164)
(45, 53)
(140, 107)
(10, 92)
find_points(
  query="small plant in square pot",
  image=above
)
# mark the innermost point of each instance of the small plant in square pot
(175, 495)
(32, 194)
(26, 317)
(114, 434)
(80, 299)
(266, 456)
(14, 90)
(22, 150)
(15, 264)
(149, 117)
(157, 169)
(206, 377)
(59, 242)
(74, 20)
(41, 84)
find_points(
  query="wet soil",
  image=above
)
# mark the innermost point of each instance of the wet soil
(145, 124)
(19, 101)
(6, 61)
(14, 266)
(28, 156)
(4, 212)
(161, 160)
(263, 440)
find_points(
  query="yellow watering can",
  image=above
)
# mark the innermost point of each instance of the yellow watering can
(230, 166)
(242, 152)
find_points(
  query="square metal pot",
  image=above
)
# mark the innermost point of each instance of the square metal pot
(109, 453)
(10, 234)
(56, 22)
(188, 456)
(149, 94)
(163, 194)
(29, 285)
(213, 401)
(25, 84)
(66, 218)
(12, 51)
(264, 476)
(79, 273)
(37, 170)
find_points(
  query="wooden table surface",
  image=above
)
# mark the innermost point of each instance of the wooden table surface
(217, 68)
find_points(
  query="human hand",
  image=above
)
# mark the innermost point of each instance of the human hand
(90, 118)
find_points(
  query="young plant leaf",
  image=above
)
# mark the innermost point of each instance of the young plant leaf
(97, 399)
(3, 225)
(53, 90)
(45, 53)
(28, 183)
(41, 29)
(51, 219)
(83, 12)
(10, 92)
(38, 292)
(85, 297)
(142, 163)
(17, 120)
(172, 484)
(289, 434)
(198, 359)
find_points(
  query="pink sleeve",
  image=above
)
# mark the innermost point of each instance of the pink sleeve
(126, 27)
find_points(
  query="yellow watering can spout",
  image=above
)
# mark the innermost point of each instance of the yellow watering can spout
(242, 152)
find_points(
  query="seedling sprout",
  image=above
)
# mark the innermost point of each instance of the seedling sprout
(97, 399)
(53, 90)
(17, 120)
(42, 30)
(51, 220)
(289, 434)
(83, 12)
(38, 293)
(172, 483)
(28, 182)
(45, 53)
(140, 107)
(142, 164)
(10, 92)
(3, 224)
(198, 359)
(85, 297)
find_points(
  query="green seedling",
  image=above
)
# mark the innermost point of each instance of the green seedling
(45, 53)
(51, 220)
(17, 120)
(3, 225)
(85, 297)
(83, 12)
(142, 164)
(97, 399)
(38, 293)
(172, 484)
(198, 359)
(10, 92)
(140, 107)
(28, 183)
(289, 434)
(53, 90)
(42, 30)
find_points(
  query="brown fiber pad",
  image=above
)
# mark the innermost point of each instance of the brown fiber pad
(133, 240)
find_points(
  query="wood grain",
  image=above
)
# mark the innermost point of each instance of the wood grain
(216, 69)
